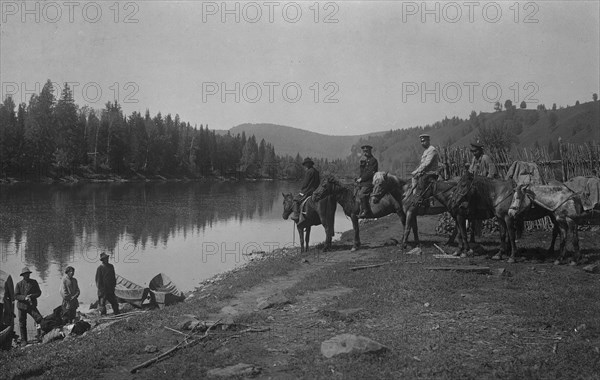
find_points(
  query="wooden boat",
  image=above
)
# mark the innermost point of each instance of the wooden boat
(165, 291)
(6, 335)
(7, 287)
(132, 293)
(7, 297)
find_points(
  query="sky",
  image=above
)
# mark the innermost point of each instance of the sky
(337, 68)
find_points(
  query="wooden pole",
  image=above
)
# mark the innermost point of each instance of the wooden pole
(562, 161)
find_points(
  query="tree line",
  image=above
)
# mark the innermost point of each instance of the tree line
(55, 137)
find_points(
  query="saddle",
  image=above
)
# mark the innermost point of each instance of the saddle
(415, 195)
(303, 209)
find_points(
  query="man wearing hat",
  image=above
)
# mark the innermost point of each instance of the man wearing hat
(428, 165)
(69, 291)
(309, 185)
(368, 168)
(106, 281)
(27, 291)
(482, 164)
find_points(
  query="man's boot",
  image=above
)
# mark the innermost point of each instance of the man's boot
(364, 208)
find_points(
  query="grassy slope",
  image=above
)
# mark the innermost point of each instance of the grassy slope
(576, 124)
(541, 322)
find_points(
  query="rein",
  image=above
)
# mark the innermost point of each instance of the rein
(441, 192)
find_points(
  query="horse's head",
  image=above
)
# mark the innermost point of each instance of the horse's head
(381, 186)
(288, 205)
(518, 197)
(462, 191)
(327, 187)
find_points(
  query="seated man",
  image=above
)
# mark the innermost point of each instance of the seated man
(368, 168)
(427, 169)
(309, 185)
(482, 164)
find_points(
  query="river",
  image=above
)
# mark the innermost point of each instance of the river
(189, 231)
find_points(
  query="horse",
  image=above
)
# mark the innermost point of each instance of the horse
(345, 196)
(317, 213)
(568, 209)
(440, 190)
(478, 197)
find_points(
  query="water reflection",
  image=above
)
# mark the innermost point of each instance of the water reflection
(188, 230)
(59, 220)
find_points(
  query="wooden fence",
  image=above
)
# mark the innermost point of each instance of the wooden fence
(570, 161)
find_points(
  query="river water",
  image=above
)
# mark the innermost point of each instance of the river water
(189, 231)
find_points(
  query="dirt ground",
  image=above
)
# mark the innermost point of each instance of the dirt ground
(531, 320)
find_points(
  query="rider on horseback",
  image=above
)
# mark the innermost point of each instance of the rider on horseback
(368, 167)
(482, 164)
(309, 185)
(427, 169)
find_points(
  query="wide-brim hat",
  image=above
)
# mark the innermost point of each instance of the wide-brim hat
(104, 256)
(366, 147)
(307, 160)
(25, 270)
(424, 136)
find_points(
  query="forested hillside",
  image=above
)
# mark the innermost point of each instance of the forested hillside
(51, 138)
(503, 129)
(291, 141)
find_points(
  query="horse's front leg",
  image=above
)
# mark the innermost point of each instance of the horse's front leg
(307, 238)
(461, 225)
(502, 250)
(564, 234)
(402, 217)
(301, 234)
(409, 225)
(510, 228)
(356, 244)
(576, 253)
(555, 233)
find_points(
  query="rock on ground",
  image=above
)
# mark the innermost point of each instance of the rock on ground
(277, 299)
(240, 369)
(349, 344)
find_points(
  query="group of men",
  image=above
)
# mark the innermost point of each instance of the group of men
(27, 292)
(481, 165)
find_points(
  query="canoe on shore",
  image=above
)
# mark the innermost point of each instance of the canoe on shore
(132, 293)
(165, 291)
(6, 335)
(7, 287)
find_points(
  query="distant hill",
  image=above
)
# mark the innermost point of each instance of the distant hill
(530, 127)
(290, 141)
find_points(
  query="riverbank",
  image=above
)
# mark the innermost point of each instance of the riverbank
(92, 177)
(531, 320)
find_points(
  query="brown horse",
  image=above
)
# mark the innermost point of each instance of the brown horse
(483, 198)
(345, 196)
(317, 213)
(439, 190)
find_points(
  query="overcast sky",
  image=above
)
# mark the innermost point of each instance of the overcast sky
(340, 68)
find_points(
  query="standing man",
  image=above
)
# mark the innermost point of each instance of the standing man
(482, 164)
(27, 291)
(106, 281)
(428, 165)
(69, 291)
(368, 168)
(309, 185)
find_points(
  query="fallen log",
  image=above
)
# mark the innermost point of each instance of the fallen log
(368, 266)
(463, 268)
